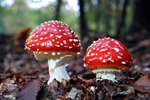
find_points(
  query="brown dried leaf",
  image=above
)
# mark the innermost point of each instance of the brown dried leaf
(74, 94)
(3, 98)
(88, 79)
(124, 89)
(143, 84)
(143, 81)
(22, 34)
(29, 91)
(8, 85)
(148, 76)
(89, 76)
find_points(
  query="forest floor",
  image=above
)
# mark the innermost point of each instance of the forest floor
(22, 77)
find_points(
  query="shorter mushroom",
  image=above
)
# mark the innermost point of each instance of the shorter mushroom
(106, 57)
(55, 41)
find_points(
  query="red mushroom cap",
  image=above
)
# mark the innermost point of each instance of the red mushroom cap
(108, 53)
(52, 36)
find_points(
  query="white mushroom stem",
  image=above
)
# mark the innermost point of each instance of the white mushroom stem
(57, 63)
(57, 72)
(109, 74)
(57, 68)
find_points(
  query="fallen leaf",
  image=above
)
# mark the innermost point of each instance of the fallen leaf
(74, 94)
(8, 85)
(143, 84)
(148, 76)
(125, 90)
(29, 91)
(89, 76)
(3, 98)
(22, 34)
(8, 89)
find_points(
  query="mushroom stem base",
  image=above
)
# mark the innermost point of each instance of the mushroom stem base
(57, 68)
(59, 73)
(109, 74)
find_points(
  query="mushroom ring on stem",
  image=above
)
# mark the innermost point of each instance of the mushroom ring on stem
(106, 57)
(55, 41)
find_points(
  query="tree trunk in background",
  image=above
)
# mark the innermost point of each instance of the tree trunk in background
(58, 6)
(141, 16)
(82, 20)
(98, 15)
(121, 20)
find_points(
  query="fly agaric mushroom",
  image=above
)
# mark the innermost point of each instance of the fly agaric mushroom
(56, 42)
(106, 57)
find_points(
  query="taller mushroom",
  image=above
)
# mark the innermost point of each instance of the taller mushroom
(56, 42)
(106, 57)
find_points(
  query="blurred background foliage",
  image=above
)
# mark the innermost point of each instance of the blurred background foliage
(113, 17)
(19, 15)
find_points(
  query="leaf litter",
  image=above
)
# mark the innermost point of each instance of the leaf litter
(24, 78)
